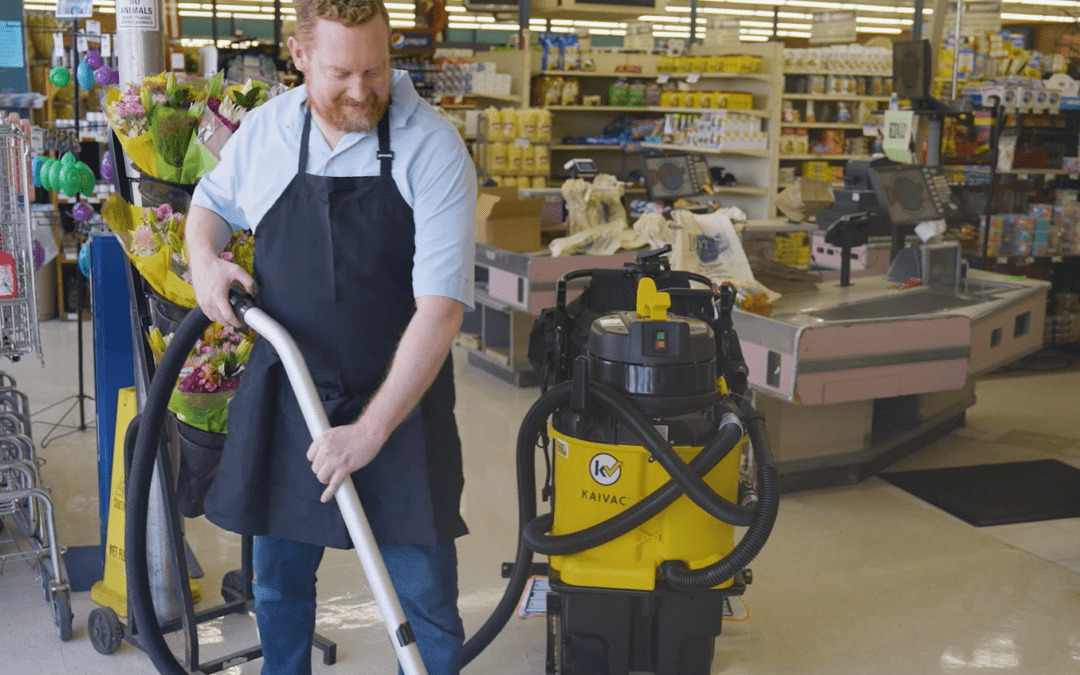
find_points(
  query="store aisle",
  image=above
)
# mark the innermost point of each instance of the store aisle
(855, 580)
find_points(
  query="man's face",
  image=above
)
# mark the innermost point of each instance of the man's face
(347, 72)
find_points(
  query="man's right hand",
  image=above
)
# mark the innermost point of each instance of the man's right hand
(212, 278)
(206, 235)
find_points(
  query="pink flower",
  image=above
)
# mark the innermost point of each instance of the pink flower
(163, 212)
(142, 241)
(227, 255)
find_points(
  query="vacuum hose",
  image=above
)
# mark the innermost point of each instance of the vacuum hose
(532, 530)
(137, 495)
(685, 479)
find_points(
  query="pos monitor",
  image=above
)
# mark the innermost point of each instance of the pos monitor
(675, 176)
(911, 194)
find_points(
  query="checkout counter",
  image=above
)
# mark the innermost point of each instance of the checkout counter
(852, 377)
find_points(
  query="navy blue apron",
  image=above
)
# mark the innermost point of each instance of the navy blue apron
(333, 264)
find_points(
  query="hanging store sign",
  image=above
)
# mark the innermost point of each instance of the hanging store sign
(402, 41)
(832, 27)
(977, 18)
(74, 9)
(137, 15)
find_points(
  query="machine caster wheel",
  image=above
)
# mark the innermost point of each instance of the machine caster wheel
(106, 631)
(61, 602)
(232, 586)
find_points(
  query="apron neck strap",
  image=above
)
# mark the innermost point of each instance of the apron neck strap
(304, 142)
(385, 154)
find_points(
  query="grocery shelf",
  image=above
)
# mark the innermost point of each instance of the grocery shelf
(652, 109)
(709, 151)
(822, 125)
(828, 157)
(653, 75)
(824, 71)
(751, 190)
(836, 97)
(585, 146)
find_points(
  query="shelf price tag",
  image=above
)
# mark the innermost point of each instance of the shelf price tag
(58, 45)
(1056, 259)
(1030, 259)
(106, 46)
(93, 27)
(81, 44)
(663, 78)
(692, 78)
(1003, 260)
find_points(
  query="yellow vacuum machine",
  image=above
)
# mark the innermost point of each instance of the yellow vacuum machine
(644, 415)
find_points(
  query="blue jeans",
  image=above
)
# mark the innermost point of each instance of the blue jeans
(425, 579)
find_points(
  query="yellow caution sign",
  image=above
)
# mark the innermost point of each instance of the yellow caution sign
(111, 591)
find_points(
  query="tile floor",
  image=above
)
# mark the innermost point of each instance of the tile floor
(864, 579)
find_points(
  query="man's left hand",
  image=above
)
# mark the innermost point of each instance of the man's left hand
(341, 450)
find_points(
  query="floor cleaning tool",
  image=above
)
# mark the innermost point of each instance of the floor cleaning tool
(141, 471)
(646, 485)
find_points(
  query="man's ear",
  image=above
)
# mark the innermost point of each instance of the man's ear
(299, 54)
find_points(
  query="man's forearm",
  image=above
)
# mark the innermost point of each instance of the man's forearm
(206, 233)
(419, 356)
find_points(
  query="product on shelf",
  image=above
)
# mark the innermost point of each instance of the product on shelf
(732, 63)
(716, 131)
(839, 59)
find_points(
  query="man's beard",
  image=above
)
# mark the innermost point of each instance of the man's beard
(339, 115)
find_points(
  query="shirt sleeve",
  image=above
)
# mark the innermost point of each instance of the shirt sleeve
(220, 189)
(443, 181)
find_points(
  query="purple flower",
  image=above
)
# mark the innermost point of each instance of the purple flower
(163, 212)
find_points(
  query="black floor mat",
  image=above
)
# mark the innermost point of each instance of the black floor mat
(997, 494)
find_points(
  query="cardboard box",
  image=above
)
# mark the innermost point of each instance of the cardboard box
(508, 221)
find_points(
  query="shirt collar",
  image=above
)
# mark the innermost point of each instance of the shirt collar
(403, 102)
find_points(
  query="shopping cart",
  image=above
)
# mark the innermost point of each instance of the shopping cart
(27, 522)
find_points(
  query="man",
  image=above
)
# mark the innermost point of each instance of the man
(363, 204)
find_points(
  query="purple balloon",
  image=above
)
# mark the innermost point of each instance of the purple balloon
(106, 166)
(102, 76)
(82, 212)
(39, 254)
(114, 76)
(93, 59)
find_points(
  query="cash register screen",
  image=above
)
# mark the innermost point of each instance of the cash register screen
(671, 177)
(906, 193)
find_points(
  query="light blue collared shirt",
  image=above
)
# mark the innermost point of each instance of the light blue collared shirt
(431, 167)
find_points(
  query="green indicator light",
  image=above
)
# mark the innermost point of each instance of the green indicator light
(660, 335)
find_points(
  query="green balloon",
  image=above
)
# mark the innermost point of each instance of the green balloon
(54, 174)
(60, 76)
(69, 159)
(46, 174)
(70, 180)
(43, 173)
(87, 180)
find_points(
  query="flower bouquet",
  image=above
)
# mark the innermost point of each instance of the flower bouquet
(227, 106)
(154, 241)
(210, 376)
(199, 403)
(165, 123)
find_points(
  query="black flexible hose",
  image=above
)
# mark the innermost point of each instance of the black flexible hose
(137, 495)
(690, 483)
(680, 577)
(712, 454)
(534, 420)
